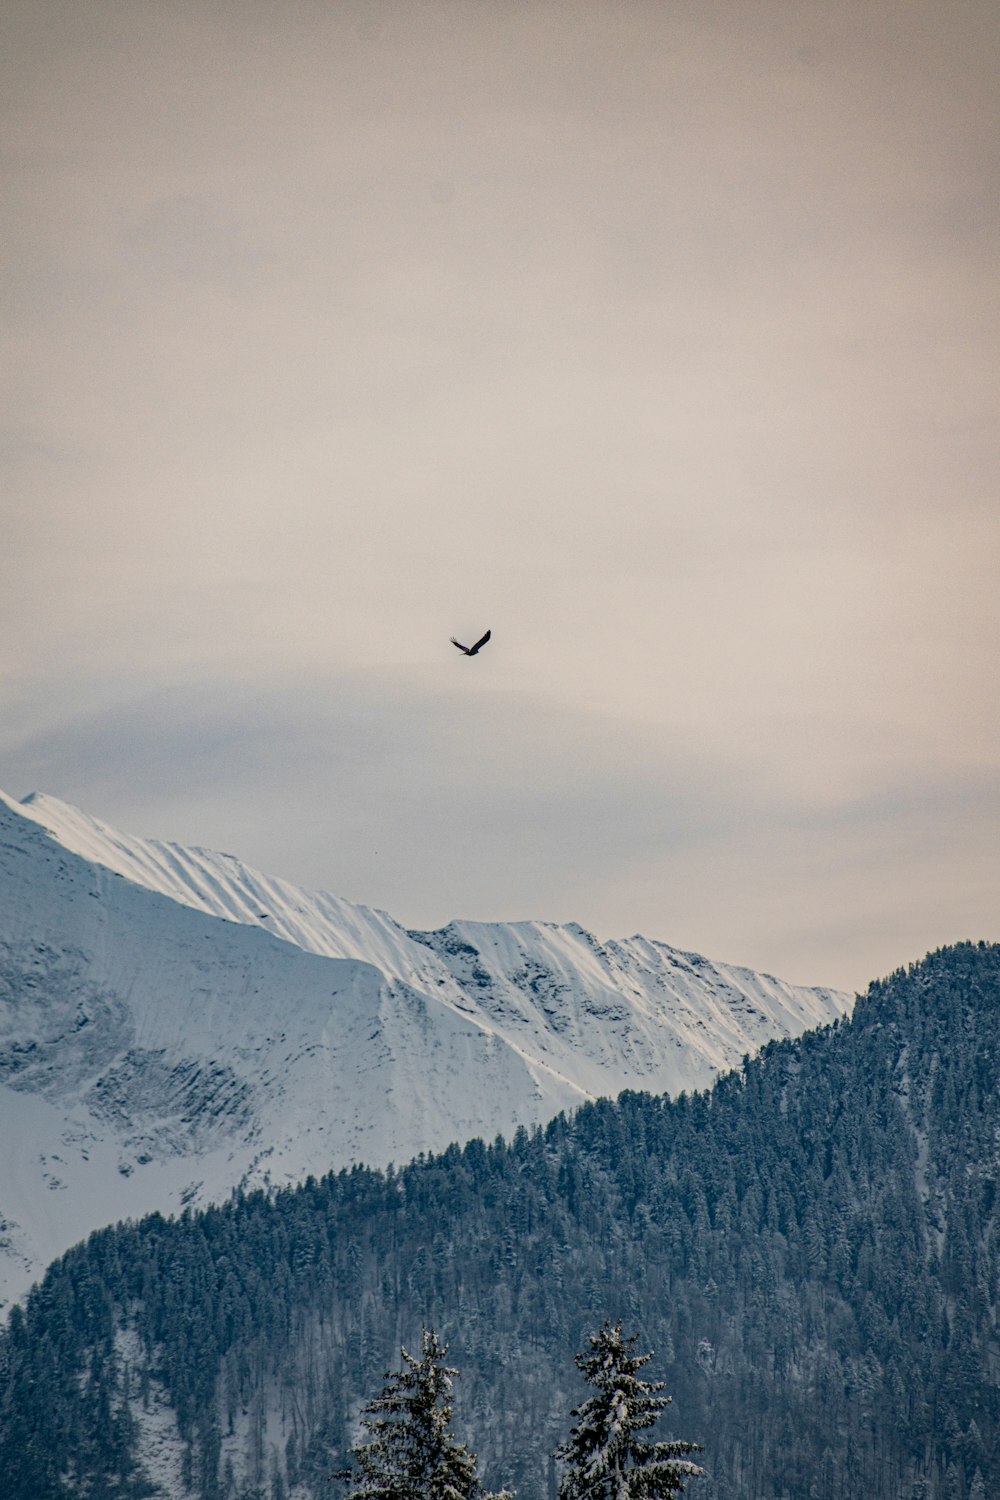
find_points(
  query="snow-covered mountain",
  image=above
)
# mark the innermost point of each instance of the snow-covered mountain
(173, 1023)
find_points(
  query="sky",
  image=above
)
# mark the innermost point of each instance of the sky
(661, 338)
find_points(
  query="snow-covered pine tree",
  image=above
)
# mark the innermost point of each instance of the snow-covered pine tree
(411, 1453)
(604, 1458)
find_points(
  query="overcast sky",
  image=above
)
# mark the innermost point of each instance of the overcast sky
(660, 336)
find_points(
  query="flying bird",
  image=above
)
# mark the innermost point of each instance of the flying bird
(471, 650)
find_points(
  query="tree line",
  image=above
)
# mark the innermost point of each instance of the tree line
(812, 1247)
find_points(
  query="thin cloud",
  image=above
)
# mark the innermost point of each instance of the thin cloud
(661, 339)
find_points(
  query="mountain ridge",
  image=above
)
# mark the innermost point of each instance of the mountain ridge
(174, 1025)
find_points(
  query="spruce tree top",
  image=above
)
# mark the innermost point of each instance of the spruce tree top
(604, 1457)
(410, 1453)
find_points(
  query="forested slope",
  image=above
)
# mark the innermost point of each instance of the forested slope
(175, 1025)
(811, 1248)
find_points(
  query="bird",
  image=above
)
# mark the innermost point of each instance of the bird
(471, 650)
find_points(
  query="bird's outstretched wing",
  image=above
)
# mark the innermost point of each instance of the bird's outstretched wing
(471, 650)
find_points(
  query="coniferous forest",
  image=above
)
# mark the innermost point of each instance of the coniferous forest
(812, 1250)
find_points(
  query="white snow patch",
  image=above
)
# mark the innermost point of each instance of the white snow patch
(174, 1024)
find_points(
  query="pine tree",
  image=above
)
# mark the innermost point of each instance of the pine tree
(410, 1453)
(604, 1458)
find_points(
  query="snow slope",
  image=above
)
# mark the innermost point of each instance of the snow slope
(173, 1024)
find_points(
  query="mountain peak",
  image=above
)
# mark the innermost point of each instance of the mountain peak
(174, 1023)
